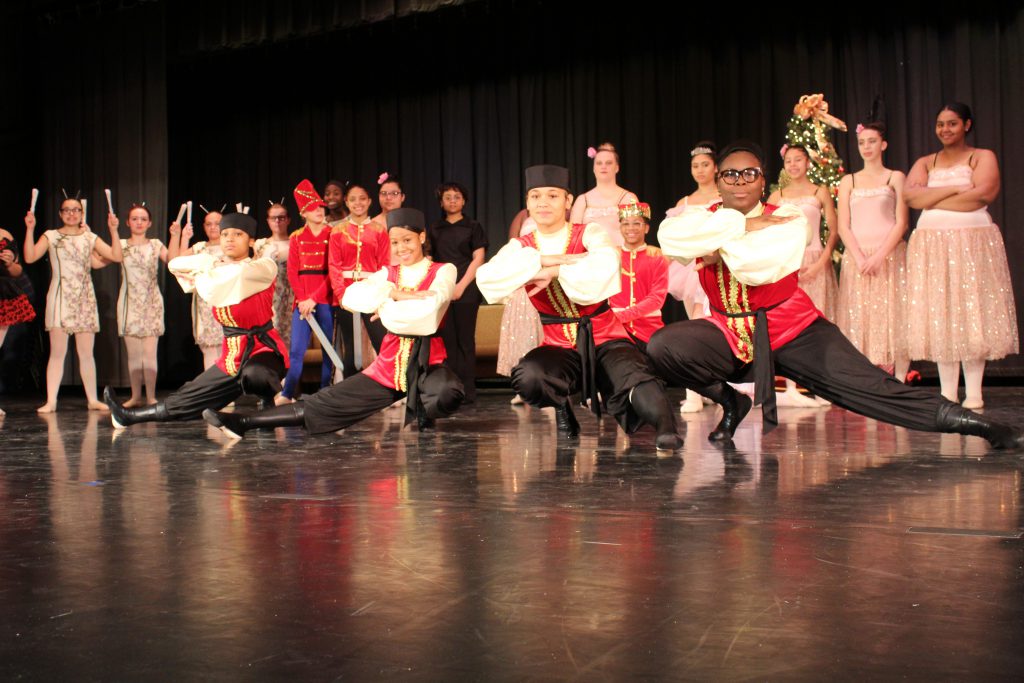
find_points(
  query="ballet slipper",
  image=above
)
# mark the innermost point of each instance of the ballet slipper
(282, 400)
(973, 403)
(99, 406)
(823, 402)
(151, 401)
(517, 400)
(133, 403)
(2, 413)
(47, 408)
(791, 398)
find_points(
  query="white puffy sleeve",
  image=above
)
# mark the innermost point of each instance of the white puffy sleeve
(769, 254)
(367, 295)
(595, 277)
(229, 284)
(693, 234)
(508, 270)
(421, 317)
(186, 268)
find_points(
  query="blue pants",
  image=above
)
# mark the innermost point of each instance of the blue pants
(301, 332)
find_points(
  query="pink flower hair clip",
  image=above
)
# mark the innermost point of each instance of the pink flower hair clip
(382, 178)
(783, 150)
(860, 128)
(591, 152)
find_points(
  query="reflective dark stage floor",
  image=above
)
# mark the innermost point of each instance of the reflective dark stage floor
(832, 547)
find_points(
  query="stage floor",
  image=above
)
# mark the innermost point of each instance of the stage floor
(833, 547)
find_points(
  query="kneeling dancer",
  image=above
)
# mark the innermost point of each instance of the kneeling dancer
(411, 299)
(763, 323)
(253, 358)
(570, 271)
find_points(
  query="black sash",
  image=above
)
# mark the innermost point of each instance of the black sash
(313, 272)
(764, 365)
(419, 361)
(586, 348)
(251, 334)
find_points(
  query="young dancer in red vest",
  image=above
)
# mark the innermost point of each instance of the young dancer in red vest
(570, 271)
(644, 275)
(762, 323)
(253, 358)
(411, 299)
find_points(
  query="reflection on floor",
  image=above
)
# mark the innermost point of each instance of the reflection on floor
(834, 546)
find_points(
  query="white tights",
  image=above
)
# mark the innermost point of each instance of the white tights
(141, 367)
(55, 365)
(949, 380)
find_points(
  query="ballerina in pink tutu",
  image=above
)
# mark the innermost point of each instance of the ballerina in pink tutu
(961, 307)
(683, 281)
(871, 309)
(817, 275)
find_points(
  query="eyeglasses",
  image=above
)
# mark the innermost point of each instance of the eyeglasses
(277, 218)
(732, 176)
(390, 193)
(72, 209)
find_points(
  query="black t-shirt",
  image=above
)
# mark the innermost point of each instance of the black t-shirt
(455, 243)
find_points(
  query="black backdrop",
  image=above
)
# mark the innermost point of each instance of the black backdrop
(225, 101)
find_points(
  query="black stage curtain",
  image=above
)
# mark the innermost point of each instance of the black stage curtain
(259, 98)
(97, 110)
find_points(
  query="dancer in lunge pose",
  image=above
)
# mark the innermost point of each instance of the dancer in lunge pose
(762, 322)
(411, 299)
(253, 358)
(570, 272)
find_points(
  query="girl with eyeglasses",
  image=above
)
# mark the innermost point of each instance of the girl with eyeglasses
(276, 247)
(871, 308)
(71, 308)
(961, 311)
(817, 276)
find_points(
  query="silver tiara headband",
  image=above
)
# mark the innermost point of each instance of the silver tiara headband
(701, 150)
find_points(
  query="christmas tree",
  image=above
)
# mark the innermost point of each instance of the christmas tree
(809, 127)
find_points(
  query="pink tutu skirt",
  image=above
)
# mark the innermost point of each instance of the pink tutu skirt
(871, 309)
(823, 289)
(521, 331)
(959, 298)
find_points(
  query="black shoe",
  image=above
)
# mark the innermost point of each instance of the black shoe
(566, 422)
(652, 407)
(121, 417)
(735, 407)
(422, 421)
(668, 441)
(957, 419)
(235, 425)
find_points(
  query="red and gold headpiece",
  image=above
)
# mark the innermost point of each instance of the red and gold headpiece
(635, 209)
(306, 196)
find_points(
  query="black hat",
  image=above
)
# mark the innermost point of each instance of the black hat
(547, 176)
(741, 146)
(410, 219)
(239, 221)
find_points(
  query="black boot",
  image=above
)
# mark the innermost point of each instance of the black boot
(735, 407)
(121, 417)
(565, 420)
(235, 425)
(422, 421)
(957, 419)
(652, 406)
